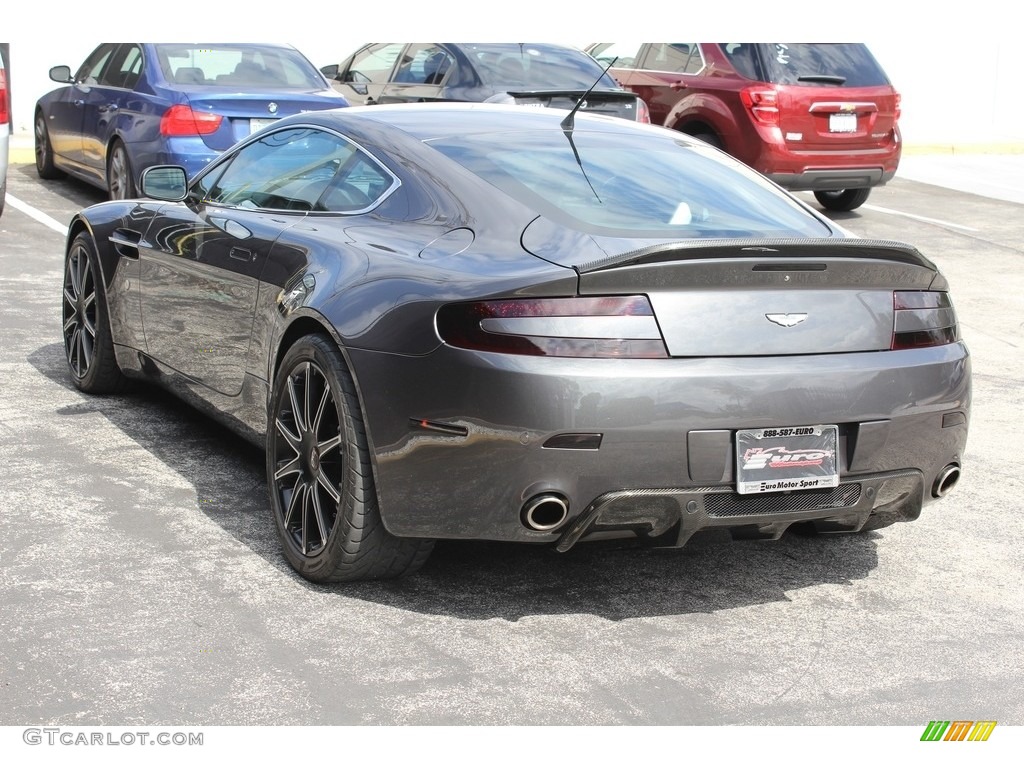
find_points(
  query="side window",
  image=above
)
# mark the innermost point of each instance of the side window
(684, 58)
(626, 55)
(743, 57)
(124, 68)
(89, 73)
(424, 63)
(374, 64)
(299, 169)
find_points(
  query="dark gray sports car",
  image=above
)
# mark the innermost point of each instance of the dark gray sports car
(489, 322)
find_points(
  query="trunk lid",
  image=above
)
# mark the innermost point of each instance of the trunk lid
(762, 297)
(615, 103)
(246, 113)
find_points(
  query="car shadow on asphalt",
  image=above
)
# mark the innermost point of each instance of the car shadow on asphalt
(472, 579)
(69, 188)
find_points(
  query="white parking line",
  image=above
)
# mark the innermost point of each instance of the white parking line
(891, 212)
(38, 215)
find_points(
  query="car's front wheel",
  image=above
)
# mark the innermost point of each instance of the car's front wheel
(843, 199)
(119, 173)
(318, 470)
(88, 346)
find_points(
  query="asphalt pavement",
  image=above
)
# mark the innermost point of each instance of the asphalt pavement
(141, 580)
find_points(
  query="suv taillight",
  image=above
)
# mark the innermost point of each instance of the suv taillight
(923, 319)
(583, 326)
(5, 113)
(762, 102)
(182, 120)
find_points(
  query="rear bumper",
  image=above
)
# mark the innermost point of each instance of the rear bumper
(819, 168)
(666, 429)
(832, 179)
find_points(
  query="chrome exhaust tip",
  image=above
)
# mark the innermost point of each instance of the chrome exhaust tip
(947, 478)
(545, 512)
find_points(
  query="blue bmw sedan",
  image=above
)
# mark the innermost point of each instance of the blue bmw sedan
(133, 105)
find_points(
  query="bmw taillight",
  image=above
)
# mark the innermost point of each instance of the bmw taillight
(182, 120)
(607, 326)
(923, 319)
(5, 111)
(763, 103)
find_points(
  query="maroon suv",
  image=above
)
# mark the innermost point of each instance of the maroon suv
(810, 116)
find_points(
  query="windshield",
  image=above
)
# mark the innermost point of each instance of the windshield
(246, 66)
(633, 184)
(536, 67)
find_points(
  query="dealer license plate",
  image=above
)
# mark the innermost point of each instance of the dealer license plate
(842, 122)
(258, 124)
(786, 458)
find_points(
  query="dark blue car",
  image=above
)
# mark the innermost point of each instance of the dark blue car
(133, 105)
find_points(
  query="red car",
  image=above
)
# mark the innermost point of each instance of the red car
(810, 116)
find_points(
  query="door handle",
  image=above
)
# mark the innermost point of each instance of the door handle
(678, 85)
(242, 254)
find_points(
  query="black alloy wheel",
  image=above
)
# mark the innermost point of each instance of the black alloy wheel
(320, 478)
(87, 341)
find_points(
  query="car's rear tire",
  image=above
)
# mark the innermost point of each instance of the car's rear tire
(44, 151)
(88, 345)
(319, 474)
(843, 199)
(120, 185)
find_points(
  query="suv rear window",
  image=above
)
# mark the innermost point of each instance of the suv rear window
(849, 65)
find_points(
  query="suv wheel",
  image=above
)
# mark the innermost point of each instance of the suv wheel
(843, 199)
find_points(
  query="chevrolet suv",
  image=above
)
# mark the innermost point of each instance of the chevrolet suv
(810, 116)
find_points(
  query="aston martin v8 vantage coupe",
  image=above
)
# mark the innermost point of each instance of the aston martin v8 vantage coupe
(472, 321)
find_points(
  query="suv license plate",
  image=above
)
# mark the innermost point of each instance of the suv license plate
(786, 458)
(842, 122)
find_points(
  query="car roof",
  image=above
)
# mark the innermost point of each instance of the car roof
(442, 119)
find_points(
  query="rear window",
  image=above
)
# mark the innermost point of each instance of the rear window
(849, 65)
(241, 66)
(537, 67)
(643, 184)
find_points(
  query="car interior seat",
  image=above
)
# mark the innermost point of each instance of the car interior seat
(511, 71)
(190, 75)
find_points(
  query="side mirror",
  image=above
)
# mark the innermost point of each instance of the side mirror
(165, 182)
(61, 74)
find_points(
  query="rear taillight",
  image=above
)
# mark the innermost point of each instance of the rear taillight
(923, 319)
(5, 112)
(643, 114)
(182, 120)
(762, 102)
(896, 110)
(611, 326)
